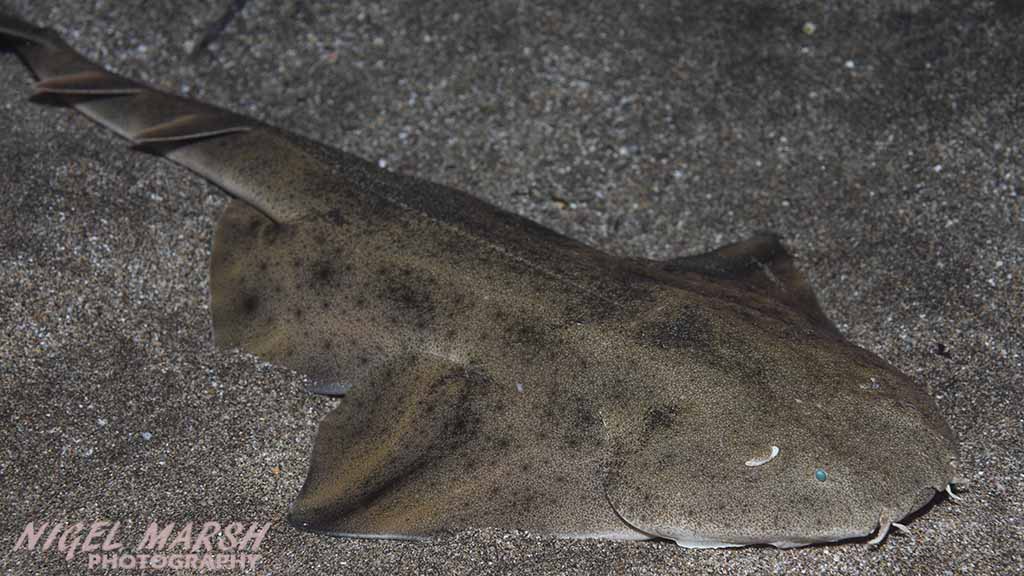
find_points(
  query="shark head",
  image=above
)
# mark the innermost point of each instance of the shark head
(823, 445)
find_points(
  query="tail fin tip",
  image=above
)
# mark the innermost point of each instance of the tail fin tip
(14, 30)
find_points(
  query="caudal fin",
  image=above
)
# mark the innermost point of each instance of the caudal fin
(271, 170)
(14, 30)
(127, 107)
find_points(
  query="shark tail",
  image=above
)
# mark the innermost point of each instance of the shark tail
(258, 164)
(131, 109)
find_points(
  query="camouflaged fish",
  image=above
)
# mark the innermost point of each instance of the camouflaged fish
(495, 373)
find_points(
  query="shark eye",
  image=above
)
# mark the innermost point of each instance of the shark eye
(820, 475)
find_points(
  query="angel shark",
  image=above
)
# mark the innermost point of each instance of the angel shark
(494, 373)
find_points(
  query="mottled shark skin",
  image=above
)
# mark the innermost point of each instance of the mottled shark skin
(494, 373)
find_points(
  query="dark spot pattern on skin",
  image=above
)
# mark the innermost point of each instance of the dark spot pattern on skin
(464, 419)
(411, 297)
(269, 232)
(688, 328)
(660, 418)
(581, 423)
(534, 337)
(250, 303)
(590, 310)
(323, 274)
(459, 300)
(334, 217)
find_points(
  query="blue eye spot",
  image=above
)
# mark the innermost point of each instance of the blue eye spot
(820, 475)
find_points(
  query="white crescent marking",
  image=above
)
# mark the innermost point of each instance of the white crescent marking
(759, 461)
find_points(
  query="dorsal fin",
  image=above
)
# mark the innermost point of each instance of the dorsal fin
(192, 127)
(761, 263)
(89, 82)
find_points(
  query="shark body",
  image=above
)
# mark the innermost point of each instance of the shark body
(495, 373)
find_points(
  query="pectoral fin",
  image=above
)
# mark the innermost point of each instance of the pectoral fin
(389, 461)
